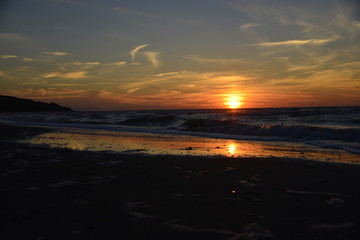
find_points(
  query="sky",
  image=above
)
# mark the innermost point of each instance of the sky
(188, 54)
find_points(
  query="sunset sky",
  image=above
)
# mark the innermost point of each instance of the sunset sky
(167, 54)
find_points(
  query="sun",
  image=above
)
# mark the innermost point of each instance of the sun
(233, 101)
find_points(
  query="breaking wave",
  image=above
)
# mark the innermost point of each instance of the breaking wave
(329, 127)
(271, 130)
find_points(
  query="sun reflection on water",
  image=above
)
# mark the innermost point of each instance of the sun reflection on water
(232, 149)
(187, 145)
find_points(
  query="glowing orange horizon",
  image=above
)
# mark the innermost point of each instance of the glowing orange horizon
(233, 101)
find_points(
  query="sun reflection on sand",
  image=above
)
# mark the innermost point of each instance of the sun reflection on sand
(77, 145)
(160, 144)
(232, 149)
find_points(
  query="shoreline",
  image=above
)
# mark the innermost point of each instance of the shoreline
(52, 193)
(148, 143)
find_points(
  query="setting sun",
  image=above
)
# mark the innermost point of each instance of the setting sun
(233, 101)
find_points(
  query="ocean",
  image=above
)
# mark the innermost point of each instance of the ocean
(320, 133)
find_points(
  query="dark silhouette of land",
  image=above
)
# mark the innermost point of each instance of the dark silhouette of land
(14, 104)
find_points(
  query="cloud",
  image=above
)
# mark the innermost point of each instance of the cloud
(132, 90)
(153, 58)
(166, 74)
(13, 37)
(79, 66)
(356, 24)
(189, 82)
(75, 75)
(231, 78)
(51, 75)
(49, 93)
(135, 50)
(80, 70)
(8, 56)
(295, 42)
(66, 84)
(260, 10)
(69, 75)
(350, 65)
(58, 54)
(110, 67)
(168, 92)
(121, 63)
(31, 83)
(85, 63)
(137, 13)
(4, 75)
(24, 68)
(247, 26)
(27, 59)
(221, 61)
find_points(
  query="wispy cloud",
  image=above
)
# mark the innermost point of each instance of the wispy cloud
(166, 74)
(153, 58)
(58, 54)
(187, 85)
(80, 66)
(5, 75)
(111, 67)
(121, 63)
(8, 56)
(356, 24)
(332, 20)
(24, 68)
(85, 63)
(186, 81)
(137, 13)
(28, 59)
(135, 50)
(13, 37)
(132, 90)
(66, 85)
(167, 92)
(43, 93)
(295, 42)
(221, 61)
(260, 10)
(32, 83)
(69, 75)
(248, 26)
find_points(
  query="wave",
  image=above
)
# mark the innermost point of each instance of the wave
(301, 124)
(149, 121)
(271, 130)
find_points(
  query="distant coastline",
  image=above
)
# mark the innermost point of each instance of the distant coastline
(14, 104)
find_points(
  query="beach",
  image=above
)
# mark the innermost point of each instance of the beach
(179, 120)
(54, 193)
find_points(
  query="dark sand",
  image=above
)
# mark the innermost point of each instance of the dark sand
(65, 194)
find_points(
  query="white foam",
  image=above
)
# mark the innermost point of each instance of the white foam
(247, 184)
(310, 193)
(257, 231)
(334, 201)
(333, 226)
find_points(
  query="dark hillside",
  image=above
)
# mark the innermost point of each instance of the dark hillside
(13, 104)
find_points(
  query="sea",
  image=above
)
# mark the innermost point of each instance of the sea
(322, 133)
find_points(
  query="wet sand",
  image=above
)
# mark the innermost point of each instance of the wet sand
(172, 144)
(51, 193)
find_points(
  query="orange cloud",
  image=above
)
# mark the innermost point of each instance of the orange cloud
(69, 75)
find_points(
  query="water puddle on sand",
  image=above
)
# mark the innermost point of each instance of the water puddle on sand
(146, 143)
